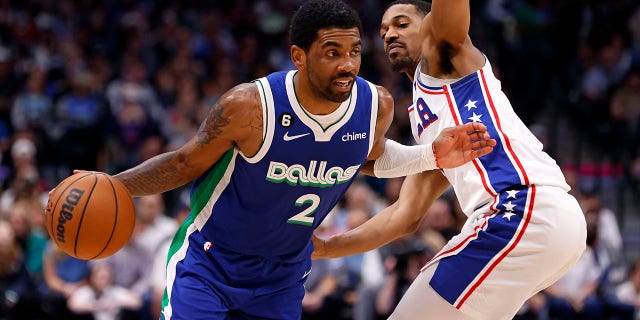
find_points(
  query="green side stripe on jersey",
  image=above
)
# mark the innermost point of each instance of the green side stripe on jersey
(202, 193)
(198, 200)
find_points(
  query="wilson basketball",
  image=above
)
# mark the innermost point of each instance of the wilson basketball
(90, 215)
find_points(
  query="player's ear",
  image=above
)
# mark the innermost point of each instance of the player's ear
(298, 57)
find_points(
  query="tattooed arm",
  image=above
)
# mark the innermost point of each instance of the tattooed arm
(234, 121)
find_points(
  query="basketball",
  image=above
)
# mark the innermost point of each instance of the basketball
(90, 215)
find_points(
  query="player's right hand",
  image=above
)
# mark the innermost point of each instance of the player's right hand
(458, 145)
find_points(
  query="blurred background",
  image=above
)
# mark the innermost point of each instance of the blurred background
(105, 85)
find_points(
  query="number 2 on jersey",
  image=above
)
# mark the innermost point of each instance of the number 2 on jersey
(306, 216)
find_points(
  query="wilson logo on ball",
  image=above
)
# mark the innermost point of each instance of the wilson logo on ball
(66, 211)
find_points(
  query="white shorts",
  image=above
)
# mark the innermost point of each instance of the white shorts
(506, 252)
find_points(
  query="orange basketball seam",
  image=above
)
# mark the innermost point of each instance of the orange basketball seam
(84, 210)
(115, 222)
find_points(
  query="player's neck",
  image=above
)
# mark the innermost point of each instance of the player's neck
(409, 75)
(309, 100)
(411, 70)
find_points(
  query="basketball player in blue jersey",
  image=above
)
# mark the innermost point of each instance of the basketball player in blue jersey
(523, 232)
(270, 161)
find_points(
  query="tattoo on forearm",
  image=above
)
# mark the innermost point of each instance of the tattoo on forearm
(155, 175)
(212, 126)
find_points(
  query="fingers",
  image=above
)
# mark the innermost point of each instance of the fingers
(477, 153)
(480, 138)
(472, 130)
(478, 135)
(479, 149)
(490, 143)
(474, 127)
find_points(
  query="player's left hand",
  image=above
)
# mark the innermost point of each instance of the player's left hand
(458, 145)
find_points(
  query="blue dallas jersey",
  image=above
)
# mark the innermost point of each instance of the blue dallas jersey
(269, 204)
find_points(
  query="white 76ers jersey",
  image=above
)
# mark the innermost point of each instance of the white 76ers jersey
(517, 159)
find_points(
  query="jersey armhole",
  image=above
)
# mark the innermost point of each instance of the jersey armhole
(374, 114)
(268, 116)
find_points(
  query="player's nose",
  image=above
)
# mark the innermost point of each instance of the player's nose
(347, 65)
(390, 36)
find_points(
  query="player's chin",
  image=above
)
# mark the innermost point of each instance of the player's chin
(396, 55)
(397, 64)
(340, 95)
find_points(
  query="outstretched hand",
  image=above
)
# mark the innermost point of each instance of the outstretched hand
(458, 145)
(318, 248)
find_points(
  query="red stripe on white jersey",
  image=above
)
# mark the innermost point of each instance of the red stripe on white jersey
(520, 232)
(507, 143)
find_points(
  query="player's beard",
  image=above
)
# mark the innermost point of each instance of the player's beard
(325, 91)
(400, 63)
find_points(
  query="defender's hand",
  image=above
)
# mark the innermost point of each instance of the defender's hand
(458, 145)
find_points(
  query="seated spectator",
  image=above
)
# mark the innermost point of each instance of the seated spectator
(80, 117)
(137, 124)
(404, 258)
(361, 275)
(439, 225)
(32, 110)
(154, 225)
(624, 112)
(25, 181)
(131, 264)
(608, 242)
(27, 221)
(63, 275)
(322, 298)
(628, 292)
(157, 278)
(18, 296)
(100, 297)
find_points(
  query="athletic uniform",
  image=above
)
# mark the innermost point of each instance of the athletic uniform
(523, 229)
(244, 251)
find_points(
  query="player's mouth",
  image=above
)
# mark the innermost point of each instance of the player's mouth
(394, 48)
(343, 85)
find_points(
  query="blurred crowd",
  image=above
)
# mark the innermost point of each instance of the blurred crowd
(105, 85)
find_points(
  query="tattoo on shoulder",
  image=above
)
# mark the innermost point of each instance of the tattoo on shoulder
(256, 121)
(213, 124)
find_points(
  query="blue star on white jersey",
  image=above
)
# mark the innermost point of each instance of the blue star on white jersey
(475, 117)
(512, 194)
(471, 104)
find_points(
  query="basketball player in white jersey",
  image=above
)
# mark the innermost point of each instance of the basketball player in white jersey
(523, 231)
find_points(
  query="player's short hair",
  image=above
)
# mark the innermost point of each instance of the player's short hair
(423, 7)
(314, 15)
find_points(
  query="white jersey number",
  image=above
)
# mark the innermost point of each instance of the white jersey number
(306, 216)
